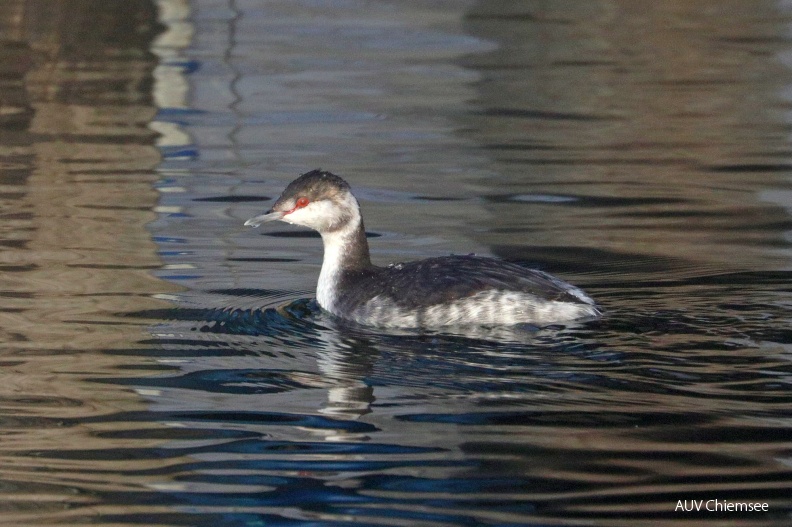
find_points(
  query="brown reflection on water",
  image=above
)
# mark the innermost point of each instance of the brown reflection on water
(662, 120)
(76, 161)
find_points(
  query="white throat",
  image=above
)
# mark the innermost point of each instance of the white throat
(336, 247)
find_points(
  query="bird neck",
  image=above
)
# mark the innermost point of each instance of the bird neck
(345, 250)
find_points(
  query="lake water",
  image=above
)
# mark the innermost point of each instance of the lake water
(163, 365)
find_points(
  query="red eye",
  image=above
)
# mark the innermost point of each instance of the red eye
(302, 202)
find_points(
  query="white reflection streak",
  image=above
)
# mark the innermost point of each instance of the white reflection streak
(171, 88)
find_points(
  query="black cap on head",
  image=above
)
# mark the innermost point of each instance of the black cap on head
(315, 185)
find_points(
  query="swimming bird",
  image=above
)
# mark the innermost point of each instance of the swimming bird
(434, 292)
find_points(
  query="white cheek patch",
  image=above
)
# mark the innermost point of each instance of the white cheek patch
(303, 216)
(319, 215)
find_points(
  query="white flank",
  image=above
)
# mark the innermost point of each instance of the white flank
(487, 308)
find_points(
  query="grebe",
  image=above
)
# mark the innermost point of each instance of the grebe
(444, 291)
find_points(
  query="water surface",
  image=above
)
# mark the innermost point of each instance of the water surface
(163, 365)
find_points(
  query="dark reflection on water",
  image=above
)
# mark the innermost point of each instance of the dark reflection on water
(607, 422)
(194, 381)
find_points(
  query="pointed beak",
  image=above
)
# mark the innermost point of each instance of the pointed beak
(272, 215)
